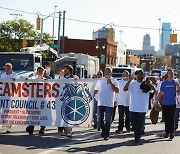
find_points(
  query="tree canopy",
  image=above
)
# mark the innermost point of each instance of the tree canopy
(12, 34)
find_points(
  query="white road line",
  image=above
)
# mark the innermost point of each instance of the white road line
(64, 145)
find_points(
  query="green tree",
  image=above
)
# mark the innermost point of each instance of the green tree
(13, 32)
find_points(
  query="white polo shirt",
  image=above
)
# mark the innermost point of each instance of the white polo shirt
(105, 92)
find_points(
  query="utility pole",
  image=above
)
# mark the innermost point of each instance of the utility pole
(63, 31)
(53, 24)
(59, 33)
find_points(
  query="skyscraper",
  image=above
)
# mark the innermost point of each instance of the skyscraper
(165, 34)
(147, 43)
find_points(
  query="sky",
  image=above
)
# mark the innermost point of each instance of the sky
(123, 15)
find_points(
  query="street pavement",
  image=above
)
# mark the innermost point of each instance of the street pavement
(88, 140)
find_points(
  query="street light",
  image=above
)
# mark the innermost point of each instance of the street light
(53, 24)
(42, 20)
(16, 15)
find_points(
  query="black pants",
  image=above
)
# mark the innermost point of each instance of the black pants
(137, 121)
(114, 113)
(169, 111)
(31, 128)
(123, 110)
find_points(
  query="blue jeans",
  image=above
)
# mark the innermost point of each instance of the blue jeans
(137, 120)
(123, 110)
(107, 112)
(176, 118)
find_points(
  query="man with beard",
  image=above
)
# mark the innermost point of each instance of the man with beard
(138, 103)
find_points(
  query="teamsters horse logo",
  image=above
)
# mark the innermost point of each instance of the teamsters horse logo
(76, 98)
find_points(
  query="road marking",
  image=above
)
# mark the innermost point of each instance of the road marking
(64, 145)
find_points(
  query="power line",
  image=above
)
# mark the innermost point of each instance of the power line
(90, 22)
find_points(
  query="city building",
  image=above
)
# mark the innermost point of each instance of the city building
(165, 34)
(103, 33)
(104, 49)
(147, 43)
(121, 54)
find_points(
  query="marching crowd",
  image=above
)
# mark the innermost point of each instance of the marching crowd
(130, 95)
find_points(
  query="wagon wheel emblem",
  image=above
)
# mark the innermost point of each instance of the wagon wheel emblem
(75, 111)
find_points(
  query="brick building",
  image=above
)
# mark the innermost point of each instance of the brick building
(104, 49)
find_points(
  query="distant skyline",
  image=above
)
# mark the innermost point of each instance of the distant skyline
(125, 15)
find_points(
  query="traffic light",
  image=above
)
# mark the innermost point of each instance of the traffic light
(24, 43)
(173, 38)
(38, 23)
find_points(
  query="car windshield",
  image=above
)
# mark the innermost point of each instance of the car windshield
(19, 61)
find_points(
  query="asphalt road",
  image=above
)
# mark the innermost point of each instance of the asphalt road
(88, 141)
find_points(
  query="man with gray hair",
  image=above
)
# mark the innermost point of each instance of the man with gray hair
(8, 74)
(105, 88)
(122, 99)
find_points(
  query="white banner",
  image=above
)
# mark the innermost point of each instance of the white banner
(47, 102)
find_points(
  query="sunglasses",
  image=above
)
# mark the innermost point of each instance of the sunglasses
(99, 74)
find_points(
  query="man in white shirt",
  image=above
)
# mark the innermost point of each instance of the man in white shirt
(138, 103)
(8, 74)
(40, 75)
(105, 89)
(122, 99)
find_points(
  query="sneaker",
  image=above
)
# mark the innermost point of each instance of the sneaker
(29, 131)
(69, 134)
(2, 127)
(166, 135)
(171, 136)
(8, 128)
(118, 131)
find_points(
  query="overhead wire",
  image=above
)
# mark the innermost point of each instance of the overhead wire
(90, 22)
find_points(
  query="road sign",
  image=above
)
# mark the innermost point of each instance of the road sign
(102, 59)
(53, 45)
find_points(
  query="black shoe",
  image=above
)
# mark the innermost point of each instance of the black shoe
(99, 129)
(95, 126)
(41, 131)
(175, 128)
(171, 136)
(106, 138)
(30, 131)
(137, 139)
(132, 129)
(102, 135)
(118, 131)
(142, 133)
(7, 132)
(166, 135)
